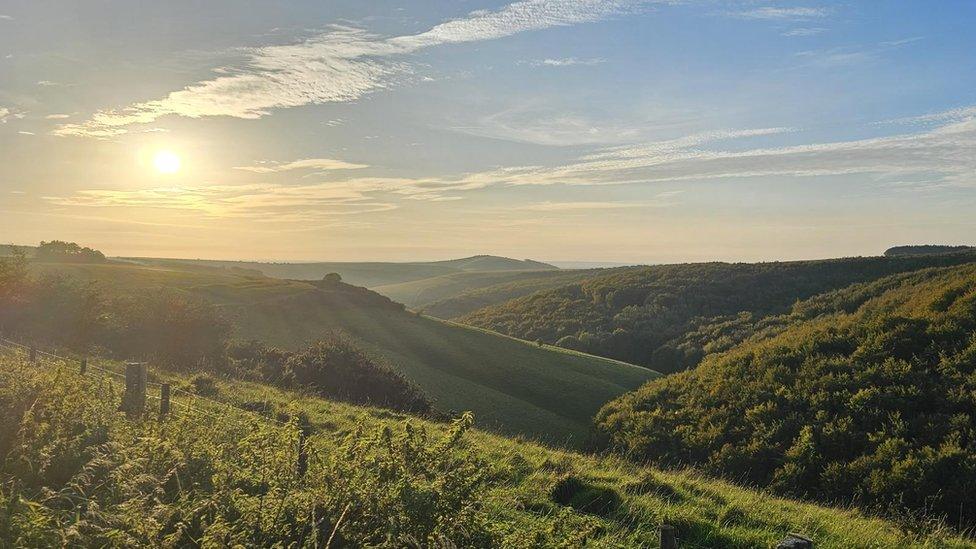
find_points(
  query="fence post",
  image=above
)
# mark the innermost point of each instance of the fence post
(303, 428)
(84, 365)
(164, 400)
(32, 354)
(134, 398)
(668, 538)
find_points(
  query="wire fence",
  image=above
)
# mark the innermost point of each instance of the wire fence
(200, 403)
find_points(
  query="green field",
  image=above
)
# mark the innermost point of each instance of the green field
(220, 476)
(513, 386)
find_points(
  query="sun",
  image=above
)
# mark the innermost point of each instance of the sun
(166, 162)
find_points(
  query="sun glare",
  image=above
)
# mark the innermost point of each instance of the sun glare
(166, 162)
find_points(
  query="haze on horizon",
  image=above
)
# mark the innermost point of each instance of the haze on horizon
(559, 130)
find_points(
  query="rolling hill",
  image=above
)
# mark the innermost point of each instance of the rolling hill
(645, 315)
(455, 294)
(213, 475)
(513, 386)
(368, 274)
(864, 394)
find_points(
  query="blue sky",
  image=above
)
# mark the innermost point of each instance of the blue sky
(604, 130)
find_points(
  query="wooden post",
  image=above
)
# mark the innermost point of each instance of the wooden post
(668, 538)
(84, 365)
(164, 400)
(303, 428)
(134, 398)
(32, 354)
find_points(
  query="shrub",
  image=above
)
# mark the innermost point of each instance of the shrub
(336, 368)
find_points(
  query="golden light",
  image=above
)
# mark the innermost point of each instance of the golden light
(166, 162)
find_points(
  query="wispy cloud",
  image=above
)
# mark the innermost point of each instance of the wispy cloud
(837, 57)
(805, 31)
(7, 114)
(57, 116)
(48, 83)
(254, 202)
(337, 66)
(776, 13)
(576, 206)
(319, 164)
(5, 17)
(567, 62)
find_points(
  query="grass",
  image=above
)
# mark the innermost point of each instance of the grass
(512, 386)
(516, 504)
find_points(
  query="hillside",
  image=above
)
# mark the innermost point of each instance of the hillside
(926, 249)
(368, 274)
(644, 315)
(512, 386)
(213, 475)
(455, 294)
(866, 394)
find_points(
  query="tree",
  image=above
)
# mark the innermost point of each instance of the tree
(332, 279)
(62, 251)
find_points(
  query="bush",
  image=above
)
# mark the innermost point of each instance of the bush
(334, 367)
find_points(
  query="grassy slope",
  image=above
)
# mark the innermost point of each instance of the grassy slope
(512, 386)
(521, 474)
(453, 294)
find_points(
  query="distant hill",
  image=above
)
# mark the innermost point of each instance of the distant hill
(866, 394)
(368, 274)
(513, 386)
(456, 294)
(926, 249)
(645, 315)
(484, 263)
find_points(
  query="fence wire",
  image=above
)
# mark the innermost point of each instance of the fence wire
(19, 348)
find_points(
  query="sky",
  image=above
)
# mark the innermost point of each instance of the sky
(563, 130)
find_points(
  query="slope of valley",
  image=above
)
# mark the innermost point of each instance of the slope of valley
(668, 317)
(512, 386)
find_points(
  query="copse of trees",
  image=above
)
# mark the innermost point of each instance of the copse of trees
(863, 395)
(662, 316)
(67, 252)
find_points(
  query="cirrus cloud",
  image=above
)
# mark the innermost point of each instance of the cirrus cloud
(337, 66)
